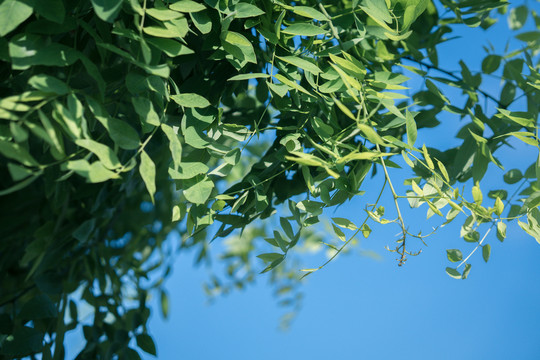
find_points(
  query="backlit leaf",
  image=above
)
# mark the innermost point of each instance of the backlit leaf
(303, 29)
(147, 169)
(453, 273)
(12, 14)
(187, 6)
(199, 192)
(486, 252)
(245, 10)
(454, 255)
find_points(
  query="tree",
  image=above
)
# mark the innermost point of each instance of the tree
(124, 121)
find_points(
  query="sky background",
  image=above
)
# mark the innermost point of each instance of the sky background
(360, 307)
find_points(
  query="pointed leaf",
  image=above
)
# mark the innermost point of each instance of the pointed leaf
(190, 100)
(147, 169)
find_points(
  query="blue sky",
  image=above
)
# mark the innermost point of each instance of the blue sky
(362, 308)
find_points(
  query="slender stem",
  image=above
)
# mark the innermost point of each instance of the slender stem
(332, 27)
(433, 67)
(477, 246)
(402, 250)
(338, 251)
(492, 225)
(142, 17)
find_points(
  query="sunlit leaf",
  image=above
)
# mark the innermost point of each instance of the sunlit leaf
(147, 169)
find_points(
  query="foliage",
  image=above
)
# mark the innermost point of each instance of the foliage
(123, 121)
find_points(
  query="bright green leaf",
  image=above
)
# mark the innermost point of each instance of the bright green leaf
(12, 14)
(199, 192)
(190, 100)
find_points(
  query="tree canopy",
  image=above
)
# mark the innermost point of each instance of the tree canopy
(123, 121)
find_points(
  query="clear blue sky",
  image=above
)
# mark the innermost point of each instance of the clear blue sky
(361, 308)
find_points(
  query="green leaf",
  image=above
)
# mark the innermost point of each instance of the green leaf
(48, 84)
(413, 9)
(287, 228)
(147, 169)
(199, 192)
(282, 243)
(238, 46)
(249, 76)
(303, 29)
(146, 343)
(12, 14)
(309, 12)
(163, 14)
(202, 21)
(291, 84)
(427, 157)
(344, 223)
(83, 232)
(410, 125)
(501, 231)
(301, 63)
(533, 224)
(321, 128)
(529, 36)
(187, 6)
(17, 152)
(245, 10)
(472, 236)
(435, 90)
(25, 341)
(145, 110)
(341, 236)
(94, 173)
(170, 47)
(365, 155)
(466, 271)
(499, 206)
(121, 133)
(350, 65)
(190, 100)
(477, 195)
(491, 63)
(103, 152)
(486, 252)
(164, 301)
(454, 255)
(270, 257)
(39, 307)
(378, 11)
(53, 10)
(193, 138)
(513, 176)
(366, 230)
(521, 118)
(371, 134)
(494, 194)
(27, 50)
(107, 10)
(175, 146)
(517, 17)
(453, 273)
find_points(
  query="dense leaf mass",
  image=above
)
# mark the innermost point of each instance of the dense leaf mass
(124, 121)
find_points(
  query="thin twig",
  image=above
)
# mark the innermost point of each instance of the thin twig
(449, 73)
